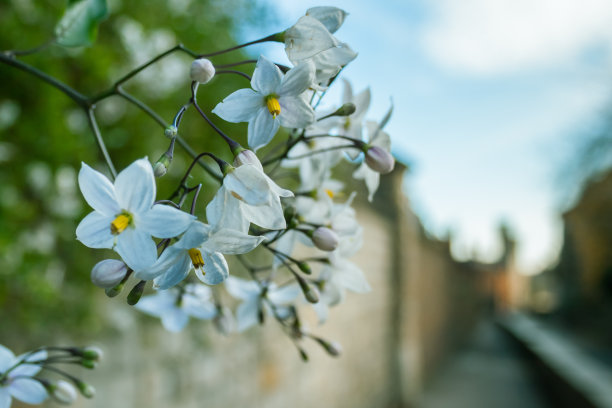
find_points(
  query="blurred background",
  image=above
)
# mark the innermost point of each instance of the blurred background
(487, 248)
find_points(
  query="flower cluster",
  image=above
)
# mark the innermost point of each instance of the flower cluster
(308, 231)
(19, 375)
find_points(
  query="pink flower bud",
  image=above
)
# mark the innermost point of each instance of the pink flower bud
(202, 70)
(247, 157)
(379, 160)
(108, 273)
(325, 239)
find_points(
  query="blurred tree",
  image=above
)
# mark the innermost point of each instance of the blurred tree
(44, 271)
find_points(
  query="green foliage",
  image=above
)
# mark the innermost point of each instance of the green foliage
(44, 137)
(79, 25)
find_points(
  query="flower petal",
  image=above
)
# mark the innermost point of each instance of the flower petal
(136, 248)
(7, 358)
(175, 273)
(266, 77)
(248, 184)
(28, 390)
(295, 112)
(331, 17)
(240, 106)
(298, 79)
(5, 398)
(195, 236)
(284, 295)
(224, 211)
(29, 370)
(306, 38)
(163, 221)
(268, 216)
(156, 305)
(276, 189)
(215, 268)
(174, 320)
(94, 231)
(262, 128)
(170, 257)
(247, 314)
(241, 288)
(135, 187)
(98, 191)
(198, 308)
(232, 242)
(351, 277)
(371, 178)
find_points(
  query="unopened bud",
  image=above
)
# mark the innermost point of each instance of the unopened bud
(304, 267)
(63, 392)
(136, 293)
(88, 353)
(379, 160)
(161, 165)
(303, 355)
(86, 390)
(91, 364)
(171, 131)
(108, 273)
(202, 70)
(346, 109)
(247, 157)
(325, 239)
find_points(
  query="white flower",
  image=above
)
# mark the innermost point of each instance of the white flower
(124, 216)
(306, 38)
(108, 273)
(202, 70)
(274, 101)
(175, 306)
(331, 17)
(248, 195)
(335, 279)
(380, 139)
(201, 248)
(255, 301)
(18, 382)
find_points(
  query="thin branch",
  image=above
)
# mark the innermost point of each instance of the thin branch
(101, 145)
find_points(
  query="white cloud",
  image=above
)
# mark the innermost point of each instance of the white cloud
(501, 36)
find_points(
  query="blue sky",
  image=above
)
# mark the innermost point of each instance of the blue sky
(489, 95)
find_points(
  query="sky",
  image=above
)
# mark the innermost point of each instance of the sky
(490, 98)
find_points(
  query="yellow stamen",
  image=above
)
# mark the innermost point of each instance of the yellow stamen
(329, 193)
(273, 105)
(120, 223)
(196, 258)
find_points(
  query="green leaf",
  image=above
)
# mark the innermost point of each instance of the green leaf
(79, 24)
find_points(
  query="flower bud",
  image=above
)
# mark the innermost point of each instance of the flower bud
(304, 267)
(92, 353)
(346, 109)
(136, 293)
(115, 290)
(86, 390)
(171, 131)
(108, 273)
(202, 70)
(161, 165)
(379, 160)
(64, 392)
(89, 364)
(247, 157)
(325, 239)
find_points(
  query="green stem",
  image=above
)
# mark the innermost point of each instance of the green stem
(101, 145)
(80, 99)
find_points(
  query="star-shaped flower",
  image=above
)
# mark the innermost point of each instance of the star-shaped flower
(255, 300)
(16, 379)
(124, 216)
(176, 305)
(200, 248)
(274, 101)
